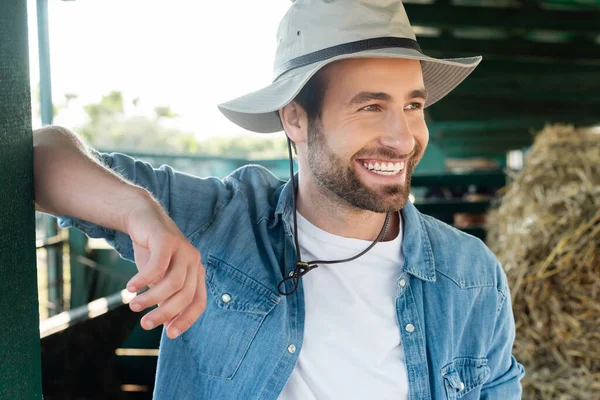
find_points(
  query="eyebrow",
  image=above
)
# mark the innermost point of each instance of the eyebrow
(420, 93)
(364, 97)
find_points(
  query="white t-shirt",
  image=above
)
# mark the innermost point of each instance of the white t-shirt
(351, 347)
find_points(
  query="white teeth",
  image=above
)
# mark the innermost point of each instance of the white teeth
(385, 168)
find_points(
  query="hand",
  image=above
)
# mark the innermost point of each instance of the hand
(170, 266)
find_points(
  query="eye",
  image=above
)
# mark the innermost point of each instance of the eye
(414, 106)
(372, 107)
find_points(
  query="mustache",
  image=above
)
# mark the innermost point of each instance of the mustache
(388, 153)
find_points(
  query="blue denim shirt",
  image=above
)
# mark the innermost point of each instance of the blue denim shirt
(452, 299)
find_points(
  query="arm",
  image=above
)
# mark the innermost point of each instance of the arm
(77, 183)
(506, 372)
(68, 180)
(73, 181)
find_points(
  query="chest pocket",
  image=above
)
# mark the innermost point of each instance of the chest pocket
(464, 377)
(236, 308)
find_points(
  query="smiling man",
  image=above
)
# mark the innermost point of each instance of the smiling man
(329, 286)
(362, 144)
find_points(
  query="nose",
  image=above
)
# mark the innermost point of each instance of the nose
(398, 134)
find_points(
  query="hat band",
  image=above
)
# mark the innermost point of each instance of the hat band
(347, 48)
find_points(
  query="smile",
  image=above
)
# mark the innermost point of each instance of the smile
(383, 168)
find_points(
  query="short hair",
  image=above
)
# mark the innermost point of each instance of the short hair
(310, 98)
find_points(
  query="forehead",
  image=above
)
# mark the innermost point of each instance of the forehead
(390, 75)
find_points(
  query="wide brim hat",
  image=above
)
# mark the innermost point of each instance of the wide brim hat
(315, 33)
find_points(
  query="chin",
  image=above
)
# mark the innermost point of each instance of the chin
(384, 199)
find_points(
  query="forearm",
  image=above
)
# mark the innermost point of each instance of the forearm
(69, 181)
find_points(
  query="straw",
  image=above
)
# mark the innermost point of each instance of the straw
(546, 233)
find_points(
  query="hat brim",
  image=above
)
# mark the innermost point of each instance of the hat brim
(258, 111)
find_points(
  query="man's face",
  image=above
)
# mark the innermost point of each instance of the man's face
(371, 134)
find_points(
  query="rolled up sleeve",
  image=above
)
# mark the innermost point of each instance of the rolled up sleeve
(190, 201)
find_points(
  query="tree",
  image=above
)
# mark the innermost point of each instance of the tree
(110, 106)
(109, 127)
(164, 112)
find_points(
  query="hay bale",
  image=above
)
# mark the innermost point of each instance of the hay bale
(546, 233)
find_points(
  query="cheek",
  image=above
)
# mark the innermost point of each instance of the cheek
(349, 140)
(365, 133)
(420, 132)
(349, 146)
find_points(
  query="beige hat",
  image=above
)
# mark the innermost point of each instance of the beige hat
(314, 33)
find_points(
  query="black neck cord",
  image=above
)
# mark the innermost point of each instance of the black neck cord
(302, 268)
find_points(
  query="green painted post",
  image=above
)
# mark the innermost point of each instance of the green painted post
(20, 364)
(54, 253)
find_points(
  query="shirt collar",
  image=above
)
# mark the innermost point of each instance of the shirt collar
(285, 206)
(418, 255)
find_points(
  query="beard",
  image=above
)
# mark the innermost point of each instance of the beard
(340, 178)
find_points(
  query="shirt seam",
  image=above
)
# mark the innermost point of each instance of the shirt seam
(463, 285)
(202, 228)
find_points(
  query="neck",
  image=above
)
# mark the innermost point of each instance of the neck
(332, 214)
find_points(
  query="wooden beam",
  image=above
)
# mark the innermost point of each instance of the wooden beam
(489, 127)
(500, 67)
(98, 307)
(446, 46)
(479, 150)
(493, 178)
(480, 108)
(507, 66)
(447, 16)
(579, 87)
(500, 143)
(455, 206)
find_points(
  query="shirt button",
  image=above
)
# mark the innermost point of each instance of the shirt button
(226, 298)
(291, 273)
(461, 386)
(402, 283)
(410, 328)
(292, 348)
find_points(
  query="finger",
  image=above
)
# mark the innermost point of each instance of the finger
(156, 267)
(187, 317)
(175, 304)
(174, 281)
(156, 281)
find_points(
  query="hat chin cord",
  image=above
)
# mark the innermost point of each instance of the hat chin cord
(302, 268)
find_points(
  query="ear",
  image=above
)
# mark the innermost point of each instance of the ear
(294, 121)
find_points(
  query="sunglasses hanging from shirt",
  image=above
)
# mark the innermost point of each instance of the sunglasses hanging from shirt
(302, 268)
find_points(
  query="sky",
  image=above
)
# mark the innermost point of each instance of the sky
(190, 55)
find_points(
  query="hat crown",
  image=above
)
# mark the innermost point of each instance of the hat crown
(313, 25)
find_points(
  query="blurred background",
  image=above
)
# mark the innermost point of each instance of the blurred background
(144, 78)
